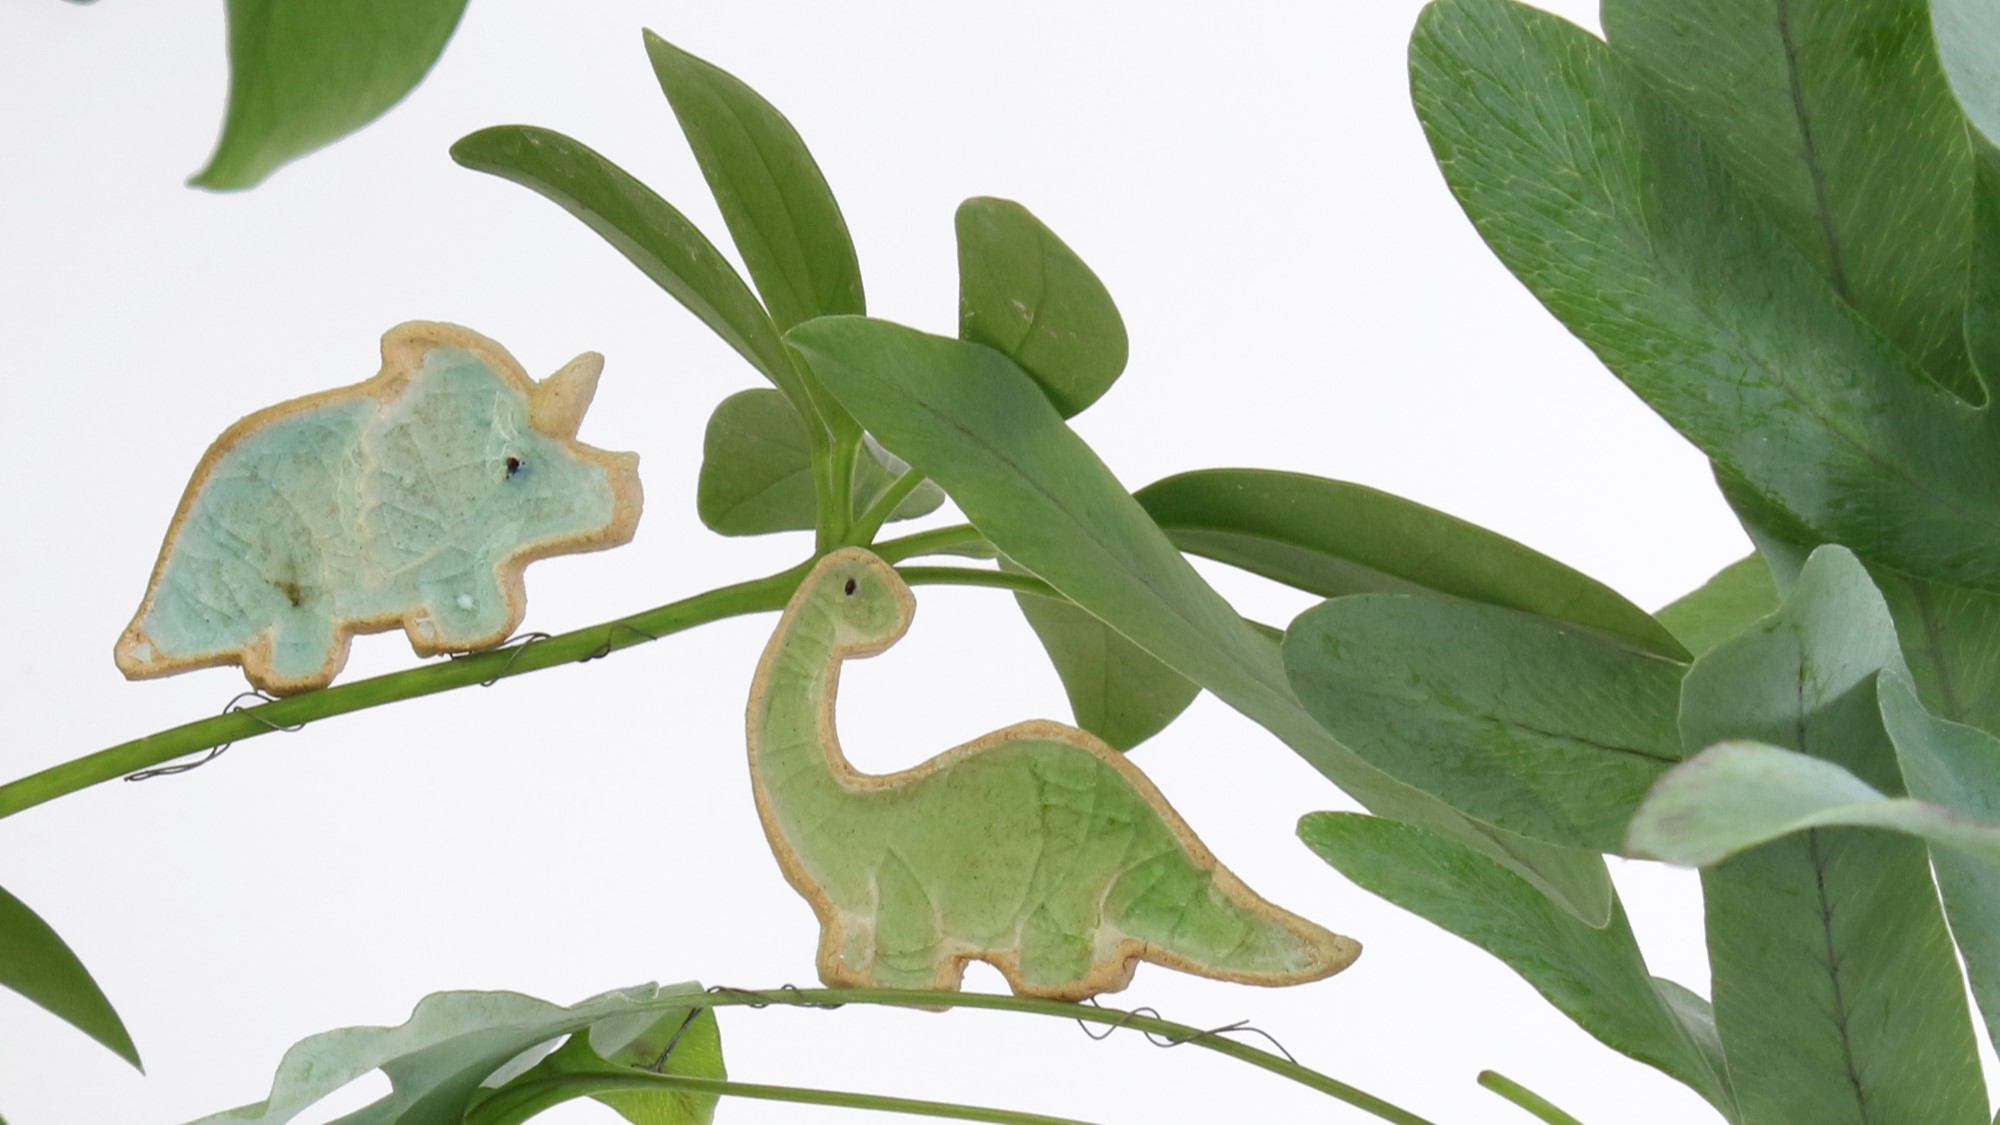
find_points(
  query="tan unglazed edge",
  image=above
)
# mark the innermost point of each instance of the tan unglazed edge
(403, 350)
(1333, 952)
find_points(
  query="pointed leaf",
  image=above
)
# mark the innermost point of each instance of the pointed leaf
(1023, 291)
(780, 212)
(1550, 732)
(1618, 217)
(437, 1060)
(973, 421)
(1117, 691)
(304, 73)
(1331, 538)
(1836, 990)
(36, 963)
(756, 470)
(1595, 976)
(638, 224)
(1737, 597)
(1836, 116)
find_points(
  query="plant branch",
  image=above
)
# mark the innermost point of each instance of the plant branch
(969, 576)
(884, 506)
(755, 596)
(1525, 1098)
(1173, 1033)
(538, 1095)
(958, 539)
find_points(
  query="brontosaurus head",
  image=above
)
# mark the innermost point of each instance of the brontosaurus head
(870, 604)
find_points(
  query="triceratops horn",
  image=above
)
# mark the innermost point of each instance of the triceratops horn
(556, 405)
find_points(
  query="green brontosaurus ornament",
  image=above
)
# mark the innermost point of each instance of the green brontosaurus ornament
(414, 499)
(1037, 848)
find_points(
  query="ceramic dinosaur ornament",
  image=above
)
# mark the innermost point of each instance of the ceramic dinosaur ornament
(413, 499)
(1037, 848)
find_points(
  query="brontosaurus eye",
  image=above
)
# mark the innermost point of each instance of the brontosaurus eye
(850, 587)
(513, 466)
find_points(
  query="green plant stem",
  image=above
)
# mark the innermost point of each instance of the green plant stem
(958, 539)
(1178, 1033)
(871, 520)
(1525, 1098)
(755, 596)
(967, 576)
(580, 1085)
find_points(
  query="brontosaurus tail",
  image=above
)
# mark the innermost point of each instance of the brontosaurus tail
(1208, 923)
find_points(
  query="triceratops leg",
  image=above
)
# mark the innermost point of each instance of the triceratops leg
(463, 607)
(300, 650)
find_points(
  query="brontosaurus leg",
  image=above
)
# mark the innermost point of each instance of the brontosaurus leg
(1056, 951)
(909, 951)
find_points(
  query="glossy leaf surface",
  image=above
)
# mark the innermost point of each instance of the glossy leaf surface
(1022, 290)
(1549, 732)
(1613, 210)
(1836, 989)
(648, 230)
(780, 211)
(39, 965)
(1737, 597)
(1595, 976)
(756, 470)
(304, 73)
(972, 420)
(1332, 538)
(437, 1060)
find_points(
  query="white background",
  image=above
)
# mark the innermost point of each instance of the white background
(1301, 292)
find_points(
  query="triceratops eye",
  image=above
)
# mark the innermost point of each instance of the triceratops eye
(513, 466)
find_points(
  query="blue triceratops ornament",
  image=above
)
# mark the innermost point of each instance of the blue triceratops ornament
(414, 499)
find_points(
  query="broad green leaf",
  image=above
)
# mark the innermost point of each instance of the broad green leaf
(304, 73)
(1023, 291)
(973, 421)
(684, 1041)
(1117, 691)
(36, 963)
(780, 212)
(1968, 46)
(438, 1059)
(1333, 538)
(1594, 975)
(1951, 642)
(1619, 218)
(638, 224)
(1738, 596)
(1836, 116)
(1958, 767)
(756, 470)
(1835, 986)
(1551, 732)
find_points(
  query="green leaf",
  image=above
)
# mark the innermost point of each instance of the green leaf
(1950, 639)
(1117, 691)
(1595, 976)
(304, 73)
(1835, 986)
(438, 1059)
(1024, 292)
(1551, 732)
(1737, 597)
(1618, 217)
(638, 224)
(1332, 538)
(756, 470)
(1968, 46)
(36, 963)
(685, 1041)
(1836, 116)
(973, 421)
(780, 212)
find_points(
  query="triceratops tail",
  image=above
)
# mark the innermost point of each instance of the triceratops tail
(136, 654)
(1208, 923)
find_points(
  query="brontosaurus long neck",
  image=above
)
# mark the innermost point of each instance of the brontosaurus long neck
(795, 768)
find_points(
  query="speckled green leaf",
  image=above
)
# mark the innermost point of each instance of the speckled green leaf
(1551, 732)
(304, 73)
(780, 211)
(972, 420)
(1836, 116)
(1725, 605)
(1835, 986)
(1620, 218)
(36, 963)
(1331, 538)
(1117, 690)
(1024, 291)
(1594, 975)
(756, 470)
(648, 230)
